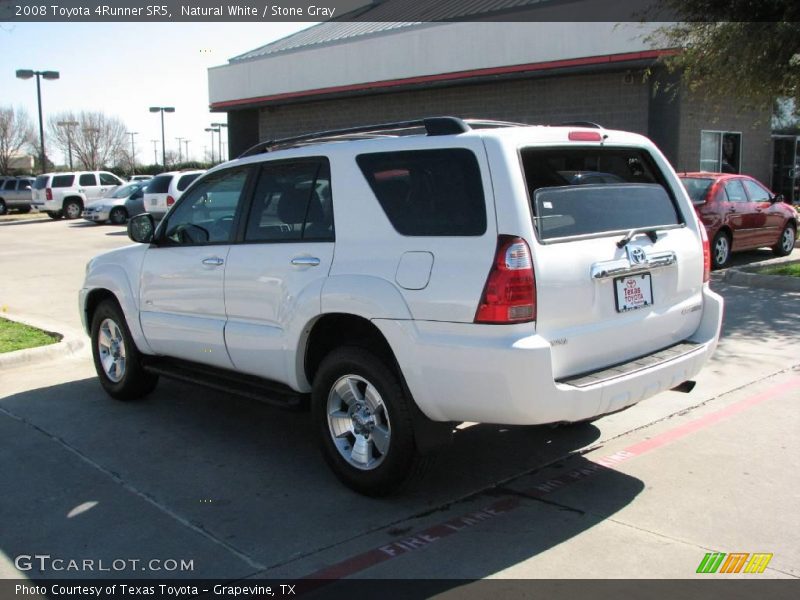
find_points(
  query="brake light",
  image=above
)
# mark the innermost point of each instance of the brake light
(48, 193)
(585, 136)
(509, 295)
(706, 254)
(170, 200)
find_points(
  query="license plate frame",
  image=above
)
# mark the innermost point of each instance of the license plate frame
(640, 296)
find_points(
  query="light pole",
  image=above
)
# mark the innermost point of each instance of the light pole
(180, 156)
(68, 125)
(219, 127)
(186, 143)
(133, 151)
(212, 130)
(162, 110)
(27, 74)
(155, 152)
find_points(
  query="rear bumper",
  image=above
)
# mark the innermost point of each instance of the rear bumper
(490, 374)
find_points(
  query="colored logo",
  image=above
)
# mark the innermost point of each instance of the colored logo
(735, 562)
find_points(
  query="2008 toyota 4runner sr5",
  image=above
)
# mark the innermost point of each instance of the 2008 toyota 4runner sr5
(437, 272)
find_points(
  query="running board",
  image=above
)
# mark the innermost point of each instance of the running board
(223, 380)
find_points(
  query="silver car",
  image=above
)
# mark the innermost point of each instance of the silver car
(126, 201)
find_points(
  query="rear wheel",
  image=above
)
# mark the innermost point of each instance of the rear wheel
(72, 209)
(25, 210)
(116, 358)
(720, 250)
(118, 215)
(785, 244)
(363, 418)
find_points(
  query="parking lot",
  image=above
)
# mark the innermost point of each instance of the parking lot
(238, 489)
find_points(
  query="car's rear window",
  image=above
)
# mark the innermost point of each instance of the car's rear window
(40, 183)
(592, 191)
(159, 184)
(61, 181)
(185, 180)
(428, 192)
(697, 187)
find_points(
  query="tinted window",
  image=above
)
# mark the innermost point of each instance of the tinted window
(25, 184)
(109, 179)
(292, 201)
(697, 188)
(159, 184)
(635, 195)
(62, 181)
(185, 180)
(10, 184)
(40, 183)
(127, 190)
(87, 179)
(428, 192)
(756, 192)
(205, 214)
(735, 191)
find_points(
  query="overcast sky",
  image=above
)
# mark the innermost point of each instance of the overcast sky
(122, 69)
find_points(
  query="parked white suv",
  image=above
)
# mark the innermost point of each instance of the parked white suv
(403, 284)
(65, 194)
(164, 190)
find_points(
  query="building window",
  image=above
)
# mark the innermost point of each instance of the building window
(720, 151)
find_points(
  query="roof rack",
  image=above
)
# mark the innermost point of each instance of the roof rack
(433, 126)
(590, 124)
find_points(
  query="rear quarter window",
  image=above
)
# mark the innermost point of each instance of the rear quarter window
(185, 180)
(592, 191)
(428, 192)
(63, 181)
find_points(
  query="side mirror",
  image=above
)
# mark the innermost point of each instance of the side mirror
(141, 228)
(777, 198)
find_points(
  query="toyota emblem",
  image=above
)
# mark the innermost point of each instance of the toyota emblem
(636, 255)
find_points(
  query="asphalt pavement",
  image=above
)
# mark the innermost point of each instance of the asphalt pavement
(237, 489)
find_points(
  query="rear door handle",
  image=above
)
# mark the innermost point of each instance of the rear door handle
(213, 262)
(305, 261)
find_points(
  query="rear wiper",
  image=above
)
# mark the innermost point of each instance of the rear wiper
(650, 232)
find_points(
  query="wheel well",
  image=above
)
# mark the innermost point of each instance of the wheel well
(77, 199)
(335, 330)
(726, 230)
(93, 301)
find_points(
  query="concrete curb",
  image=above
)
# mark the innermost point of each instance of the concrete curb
(748, 276)
(69, 344)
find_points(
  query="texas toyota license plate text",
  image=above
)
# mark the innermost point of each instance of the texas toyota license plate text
(634, 291)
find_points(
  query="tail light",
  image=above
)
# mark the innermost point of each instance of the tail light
(48, 193)
(509, 295)
(706, 254)
(170, 200)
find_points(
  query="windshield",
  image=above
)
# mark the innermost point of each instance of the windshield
(127, 190)
(588, 191)
(696, 187)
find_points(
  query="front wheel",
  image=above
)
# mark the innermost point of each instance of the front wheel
(720, 250)
(363, 418)
(116, 358)
(785, 244)
(3, 207)
(118, 215)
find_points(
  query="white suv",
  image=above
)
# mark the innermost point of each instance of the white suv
(163, 190)
(404, 283)
(65, 194)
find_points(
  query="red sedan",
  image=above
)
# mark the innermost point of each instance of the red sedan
(740, 214)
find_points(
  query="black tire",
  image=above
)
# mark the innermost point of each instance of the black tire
(55, 215)
(3, 207)
(720, 250)
(134, 382)
(72, 209)
(118, 215)
(25, 210)
(786, 242)
(401, 461)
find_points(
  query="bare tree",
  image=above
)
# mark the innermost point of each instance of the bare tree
(97, 141)
(16, 132)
